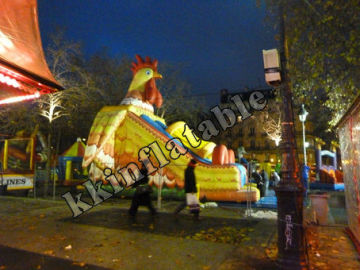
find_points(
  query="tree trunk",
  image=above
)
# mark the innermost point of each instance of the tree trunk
(54, 161)
(48, 164)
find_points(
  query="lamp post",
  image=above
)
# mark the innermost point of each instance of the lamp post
(302, 116)
(289, 192)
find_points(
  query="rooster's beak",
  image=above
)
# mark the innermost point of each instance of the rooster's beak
(157, 75)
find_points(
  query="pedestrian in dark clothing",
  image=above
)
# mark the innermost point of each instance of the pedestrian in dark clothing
(265, 178)
(190, 183)
(259, 181)
(142, 194)
(190, 191)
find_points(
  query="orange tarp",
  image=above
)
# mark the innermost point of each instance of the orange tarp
(20, 42)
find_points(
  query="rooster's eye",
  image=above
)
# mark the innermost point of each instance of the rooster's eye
(148, 72)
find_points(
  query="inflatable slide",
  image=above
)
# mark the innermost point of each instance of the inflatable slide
(120, 133)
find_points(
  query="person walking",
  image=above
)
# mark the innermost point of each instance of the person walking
(258, 180)
(265, 178)
(142, 194)
(190, 191)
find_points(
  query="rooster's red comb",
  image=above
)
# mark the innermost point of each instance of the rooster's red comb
(142, 64)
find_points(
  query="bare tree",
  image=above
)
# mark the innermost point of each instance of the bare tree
(272, 124)
(50, 108)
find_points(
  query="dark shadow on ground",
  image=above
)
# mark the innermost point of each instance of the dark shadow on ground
(28, 204)
(263, 264)
(17, 259)
(163, 223)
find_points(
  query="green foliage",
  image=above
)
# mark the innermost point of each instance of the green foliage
(324, 53)
(229, 235)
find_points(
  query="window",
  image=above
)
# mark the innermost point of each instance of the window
(252, 131)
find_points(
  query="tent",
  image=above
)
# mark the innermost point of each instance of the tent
(70, 161)
(348, 129)
(24, 73)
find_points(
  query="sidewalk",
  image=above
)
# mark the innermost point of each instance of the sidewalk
(329, 247)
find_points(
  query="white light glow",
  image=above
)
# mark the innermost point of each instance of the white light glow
(19, 98)
(272, 128)
(9, 81)
(277, 140)
(51, 108)
(5, 41)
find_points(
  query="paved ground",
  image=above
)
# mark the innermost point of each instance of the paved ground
(13, 258)
(40, 234)
(329, 246)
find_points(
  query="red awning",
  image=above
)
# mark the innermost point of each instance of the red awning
(23, 67)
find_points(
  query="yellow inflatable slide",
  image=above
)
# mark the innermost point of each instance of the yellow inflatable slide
(121, 135)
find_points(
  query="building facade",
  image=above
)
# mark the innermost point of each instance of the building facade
(252, 133)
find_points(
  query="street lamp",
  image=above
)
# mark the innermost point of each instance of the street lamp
(302, 116)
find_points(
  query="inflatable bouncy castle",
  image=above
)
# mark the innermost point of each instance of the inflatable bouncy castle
(122, 135)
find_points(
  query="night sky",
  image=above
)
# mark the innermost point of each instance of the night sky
(217, 42)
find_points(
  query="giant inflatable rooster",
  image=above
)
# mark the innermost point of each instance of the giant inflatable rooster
(143, 86)
(119, 132)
